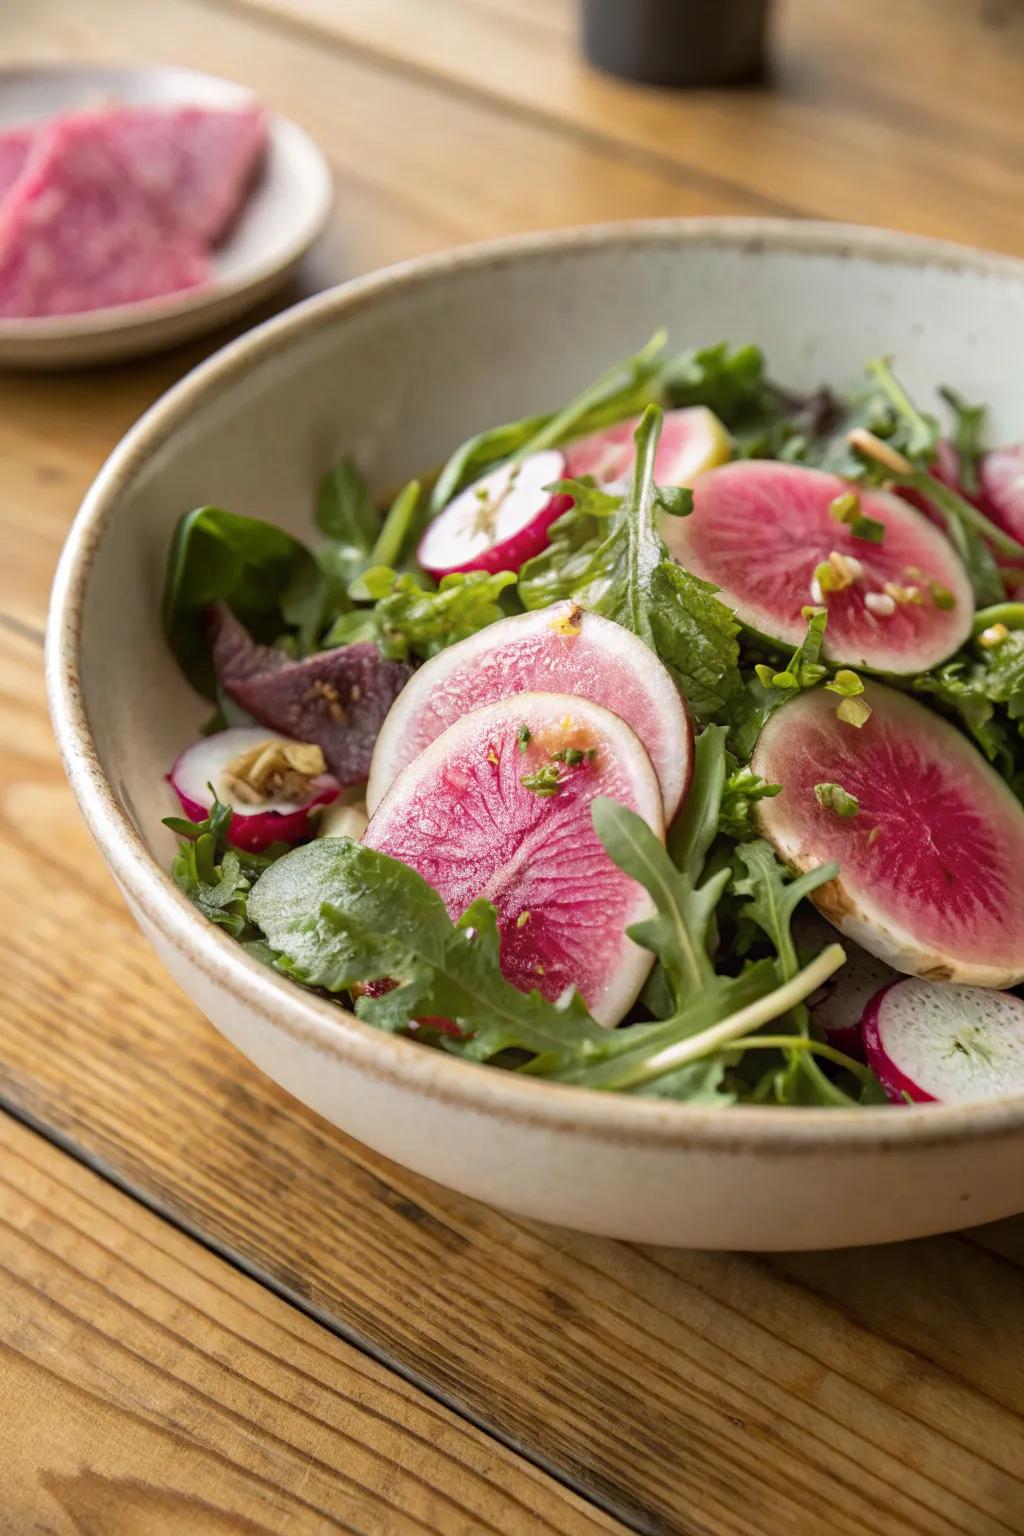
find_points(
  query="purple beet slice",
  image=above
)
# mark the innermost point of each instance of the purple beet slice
(553, 650)
(761, 530)
(337, 699)
(462, 816)
(930, 865)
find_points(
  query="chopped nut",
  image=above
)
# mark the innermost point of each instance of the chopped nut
(873, 836)
(902, 595)
(880, 603)
(817, 595)
(993, 636)
(274, 770)
(854, 566)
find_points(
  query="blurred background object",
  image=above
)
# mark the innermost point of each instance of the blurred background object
(677, 42)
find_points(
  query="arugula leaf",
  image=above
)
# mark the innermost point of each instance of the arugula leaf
(408, 619)
(750, 706)
(621, 391)
(729, 380)
(215, 877)
(268, 578)
(968, 437)
(696, 827)
(625, 574)
(346, 515)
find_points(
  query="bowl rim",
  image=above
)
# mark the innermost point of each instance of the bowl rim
(313, 1021)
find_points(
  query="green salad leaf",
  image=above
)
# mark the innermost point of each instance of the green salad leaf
(410, 619)
(624, 573)
(268, 578)
(215, 877)
(968, 437)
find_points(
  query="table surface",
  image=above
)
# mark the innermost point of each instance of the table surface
(219, 1315)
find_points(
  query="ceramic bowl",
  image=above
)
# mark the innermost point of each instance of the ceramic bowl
(396, 368)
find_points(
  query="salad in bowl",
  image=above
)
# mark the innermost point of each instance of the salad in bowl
(670, 743)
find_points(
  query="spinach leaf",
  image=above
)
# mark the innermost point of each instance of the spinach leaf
(268, 578)
(625, 574)
(622, 391)
(408, 619)
(346, 515)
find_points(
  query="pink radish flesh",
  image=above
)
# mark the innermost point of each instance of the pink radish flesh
(555, 650)
(836, 1010)
(252, 827)
(690, 439)
(930, 866)
(1002, 484)
(498, 523)
(935, 1043)
(760, 529)
(461, 815)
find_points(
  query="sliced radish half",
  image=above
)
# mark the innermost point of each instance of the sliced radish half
(838, 1007)
(930, 866)
(552, 650)
(499, 522)
(462, 815)
(271, 783)
(949, 1045)
(1002, 484)
(761, 530)
(692, 440)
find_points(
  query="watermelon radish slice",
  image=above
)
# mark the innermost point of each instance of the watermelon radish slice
(462, 816)
(556, 650)
(499, 522)
(1001, 472)
(837, 1008)
(270, 815)
(930, 865)
(760, 530)
(692, 441)
(947, 1045)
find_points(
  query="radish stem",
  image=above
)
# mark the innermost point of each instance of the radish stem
(719, 1036)
(801, 1043)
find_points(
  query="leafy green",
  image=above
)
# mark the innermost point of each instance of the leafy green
(621, 391)
(267, 577)
(743, 789)
(409, 619)
(215, 877)
(833, 797)
(728, 380)
(393, 544)
(983, 689)
(346, 515)
(624, 573)
(770, 686)
(968, 437)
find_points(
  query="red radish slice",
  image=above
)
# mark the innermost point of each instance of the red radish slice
(948, 1045)
(930, 866)
(499, 522)
(553, 650)
(692, 440)
(461, 815)
(837, 1008)
(760, 529)
(1002, 484)
(252, 827)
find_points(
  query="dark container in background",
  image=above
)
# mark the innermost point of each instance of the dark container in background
(678, 42)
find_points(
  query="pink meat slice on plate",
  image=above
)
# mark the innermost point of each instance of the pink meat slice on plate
(15, 144)
(195, 163)
(77, 232)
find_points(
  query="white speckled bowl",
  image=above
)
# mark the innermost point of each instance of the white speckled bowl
(397, 368)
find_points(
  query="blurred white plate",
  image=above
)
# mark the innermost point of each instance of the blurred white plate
(285, 211)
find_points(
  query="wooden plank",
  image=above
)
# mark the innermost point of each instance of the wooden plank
(901, 115)
(879, 1392)
(147, 1386)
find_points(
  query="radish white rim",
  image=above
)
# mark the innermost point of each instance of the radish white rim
(491, 512)
(639, 1121)
(673, 769)
(619, 993)
(948, 1043)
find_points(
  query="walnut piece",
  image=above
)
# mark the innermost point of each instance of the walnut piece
(274, 770)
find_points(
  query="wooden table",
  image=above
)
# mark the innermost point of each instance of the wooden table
(216, 1313)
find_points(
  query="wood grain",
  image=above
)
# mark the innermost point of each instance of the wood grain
(904, 115)
(872, 1392)
(147, 1387)
(876, 1392)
